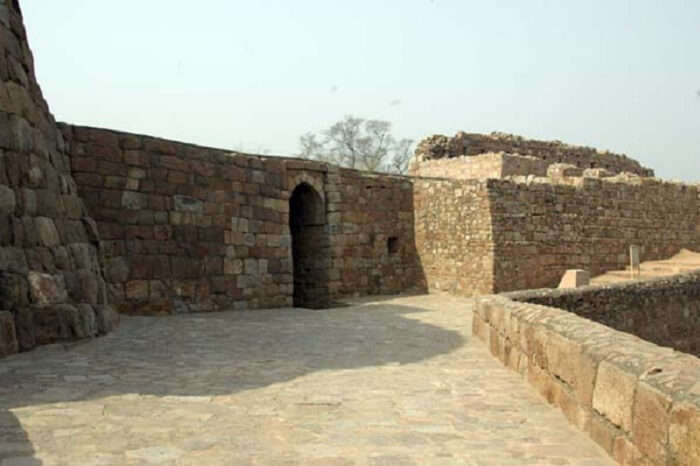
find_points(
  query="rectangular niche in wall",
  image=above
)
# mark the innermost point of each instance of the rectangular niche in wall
(392, 245)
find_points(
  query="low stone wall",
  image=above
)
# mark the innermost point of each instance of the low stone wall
(665, 311)
(481, 166)
(638, 401)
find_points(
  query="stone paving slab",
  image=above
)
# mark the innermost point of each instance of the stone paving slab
(392, 382)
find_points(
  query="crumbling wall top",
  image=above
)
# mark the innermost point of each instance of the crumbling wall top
(472, 144)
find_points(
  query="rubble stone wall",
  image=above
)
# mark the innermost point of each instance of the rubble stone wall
(638, 401)
(470, 144)
(453, 235)
(186, 228)
(51, 285)
(492, 165)
(543, 227)
(664, 311)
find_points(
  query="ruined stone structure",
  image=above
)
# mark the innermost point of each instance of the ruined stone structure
(152, 226)
(463, 144)
(94, 219)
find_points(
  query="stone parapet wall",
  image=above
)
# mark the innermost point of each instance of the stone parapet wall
(453, 235)
(51, 285)
(469, 144)
(664, 311)
(494, 165)
(638, 401)
(187, 228)
(544, 226)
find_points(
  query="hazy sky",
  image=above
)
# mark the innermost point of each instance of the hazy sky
(255, 75)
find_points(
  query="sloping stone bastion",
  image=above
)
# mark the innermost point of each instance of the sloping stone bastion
(95, 221)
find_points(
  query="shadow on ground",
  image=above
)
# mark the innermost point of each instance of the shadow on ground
(212, 354)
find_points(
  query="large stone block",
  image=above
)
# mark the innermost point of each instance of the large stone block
(46, 229)
(575, 278)
(650, 421)
(46, 289)
(8, 200)
(613, 395)
(684, 434)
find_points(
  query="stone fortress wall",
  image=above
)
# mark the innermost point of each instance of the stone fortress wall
(187, 228)
(51, 284)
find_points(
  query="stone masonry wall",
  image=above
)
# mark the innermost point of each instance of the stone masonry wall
(543, 227)
(453, 235)
(371, 221)
(664, 311)
(187, 228)
(469, 144)
(51, 286)
(638, 401)
(480, 166)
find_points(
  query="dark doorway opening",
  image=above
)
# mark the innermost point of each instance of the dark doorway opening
(310, 247)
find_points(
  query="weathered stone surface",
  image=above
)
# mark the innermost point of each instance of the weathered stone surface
(106, 318)
(614, 395)
(46, 229)
(117, 269)
(14, 291)
(8, 336)
(7, 201)
(46, 289)
(650, 424)
(684, 434)
(188, 204)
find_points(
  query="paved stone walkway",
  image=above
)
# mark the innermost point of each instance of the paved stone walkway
(398, 382)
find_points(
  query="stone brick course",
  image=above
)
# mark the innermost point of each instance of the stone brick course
(482, 166)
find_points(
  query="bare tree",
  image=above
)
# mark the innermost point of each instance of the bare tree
(358, 143)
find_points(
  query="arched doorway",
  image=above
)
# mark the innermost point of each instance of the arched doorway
(307, 224)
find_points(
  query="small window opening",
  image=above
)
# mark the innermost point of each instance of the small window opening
(392, 245)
